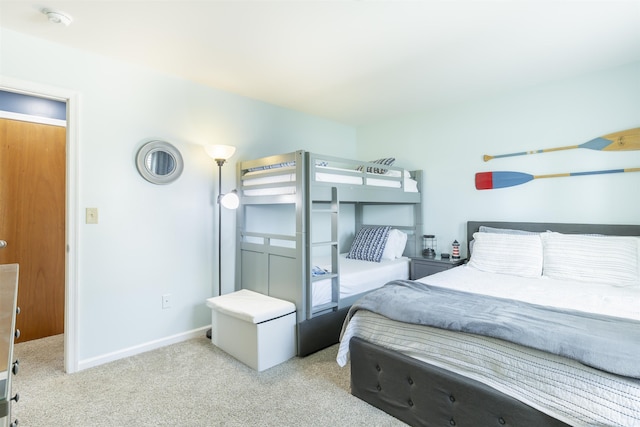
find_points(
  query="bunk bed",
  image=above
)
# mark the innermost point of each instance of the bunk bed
(298, 212)
(440, 376)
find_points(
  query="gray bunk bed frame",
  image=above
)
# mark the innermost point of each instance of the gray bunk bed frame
(285, 271)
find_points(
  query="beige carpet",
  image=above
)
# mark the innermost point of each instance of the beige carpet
(187, 384)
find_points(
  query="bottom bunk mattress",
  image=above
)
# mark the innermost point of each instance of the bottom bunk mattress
(558, 386)
(357, 277)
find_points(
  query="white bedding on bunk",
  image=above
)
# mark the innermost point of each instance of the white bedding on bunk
(560, 387)
(288, 175)
(359, 276)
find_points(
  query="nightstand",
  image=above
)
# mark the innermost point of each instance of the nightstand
(421, 267)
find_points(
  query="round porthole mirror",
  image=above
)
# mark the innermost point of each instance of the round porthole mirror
(159, 162)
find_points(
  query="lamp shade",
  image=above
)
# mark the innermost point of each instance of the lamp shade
(230, 200)
(220, 152)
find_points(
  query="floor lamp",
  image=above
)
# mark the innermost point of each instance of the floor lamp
(220, 154)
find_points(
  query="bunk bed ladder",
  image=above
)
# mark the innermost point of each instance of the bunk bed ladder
(334, 274)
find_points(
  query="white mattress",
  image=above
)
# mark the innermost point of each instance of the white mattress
(359, 276)
(334, 176)
(563, 388)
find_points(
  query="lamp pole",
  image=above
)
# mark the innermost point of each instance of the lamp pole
(220, 162)
(220, 153)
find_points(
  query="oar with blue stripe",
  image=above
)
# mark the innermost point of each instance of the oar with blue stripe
(619, 141)
(493, 180)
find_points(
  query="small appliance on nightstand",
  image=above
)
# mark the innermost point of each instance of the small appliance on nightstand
(421, 267)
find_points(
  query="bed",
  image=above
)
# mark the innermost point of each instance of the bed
(542, 335)
(300, 214)
(358, 276)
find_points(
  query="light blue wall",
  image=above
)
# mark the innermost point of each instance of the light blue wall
(448, 144)
(153, 240)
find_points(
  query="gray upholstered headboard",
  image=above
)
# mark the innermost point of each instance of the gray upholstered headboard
(607, 229)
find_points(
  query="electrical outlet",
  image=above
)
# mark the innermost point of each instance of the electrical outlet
(92, 216)
(166, 301)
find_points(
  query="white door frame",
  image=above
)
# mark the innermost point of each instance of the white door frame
(72, 98)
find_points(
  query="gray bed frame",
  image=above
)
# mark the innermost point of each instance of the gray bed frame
(280, 264)
(421, 394)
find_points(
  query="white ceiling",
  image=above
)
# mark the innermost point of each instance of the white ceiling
(352, 61)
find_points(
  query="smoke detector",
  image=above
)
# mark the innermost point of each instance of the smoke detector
(58, 17)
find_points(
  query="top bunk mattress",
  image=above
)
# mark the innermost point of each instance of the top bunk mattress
(325, 175)
(282, 174)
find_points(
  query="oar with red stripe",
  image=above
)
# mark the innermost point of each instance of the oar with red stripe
(618, 141)
(492, 180)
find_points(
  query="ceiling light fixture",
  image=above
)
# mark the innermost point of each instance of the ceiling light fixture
(58, 17)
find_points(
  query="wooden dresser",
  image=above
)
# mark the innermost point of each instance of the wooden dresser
(8, 332)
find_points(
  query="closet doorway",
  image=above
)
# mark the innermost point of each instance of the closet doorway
(32, 221)
(70, 100)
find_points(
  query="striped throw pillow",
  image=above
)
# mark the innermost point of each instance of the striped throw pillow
(387, 161)
(369, 244)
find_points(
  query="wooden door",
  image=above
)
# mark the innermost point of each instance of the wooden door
(32, 221)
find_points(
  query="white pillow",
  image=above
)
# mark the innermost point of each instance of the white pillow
(604, 259)
(485, 229)
(396, 173)
(396, 242)
(515, 254)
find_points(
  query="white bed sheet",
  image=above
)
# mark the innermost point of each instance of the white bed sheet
(254, 178)
(560, 387)
(359, 276)
(584, 296)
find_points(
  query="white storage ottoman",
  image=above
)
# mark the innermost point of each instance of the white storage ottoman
(256, 329)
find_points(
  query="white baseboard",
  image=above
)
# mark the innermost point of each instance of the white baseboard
(141, 348)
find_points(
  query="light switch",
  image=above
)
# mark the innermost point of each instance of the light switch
(92, 215)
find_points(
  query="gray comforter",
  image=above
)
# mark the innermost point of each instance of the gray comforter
(607, 343)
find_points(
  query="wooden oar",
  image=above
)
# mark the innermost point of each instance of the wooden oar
(619, 141)
(491, 180)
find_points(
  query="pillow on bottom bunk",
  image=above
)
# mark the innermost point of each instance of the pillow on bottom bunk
(369, 244)
(396, 243)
